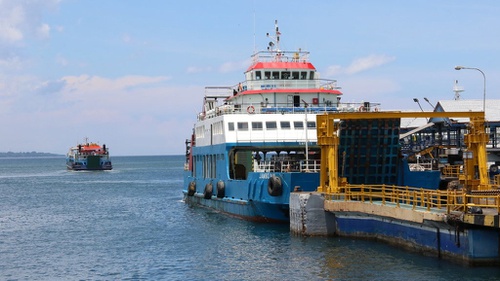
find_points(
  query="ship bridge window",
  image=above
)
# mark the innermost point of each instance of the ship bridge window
(311, 75)
(298, 124)
(276, 75)
(258, 75)
(271, 125)
(285, 125)
(230, 126)
(311, 124)
(296, 101)
(303, 75)
(295, 75)
(242, 126)
(267, 75)
(285, 75)
(257, 126)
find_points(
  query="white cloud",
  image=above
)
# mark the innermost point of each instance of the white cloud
(197, 69)
(142, 109)
(60, 60)
(333, 70)
(12, 62)
(360, 65)
(43, 31)
(368, 62)
(88, 85)
(234, 66)
(12, 17)
(126, 38)
(20, 20)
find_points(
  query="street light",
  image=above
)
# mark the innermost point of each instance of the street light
(484, 81)
(416, 100)
(427, 100)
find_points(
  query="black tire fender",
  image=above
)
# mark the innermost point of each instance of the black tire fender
(221, 189)
(207, 193)
(191, 188)
(274, 186)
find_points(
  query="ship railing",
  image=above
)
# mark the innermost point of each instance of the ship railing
(310, 166)
(281, 56)
(452, 171)
(444, 201)
(287, 166)
(286, 108)
(420, 166)
(290, 83)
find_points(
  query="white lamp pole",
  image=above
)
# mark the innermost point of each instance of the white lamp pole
(484, 80)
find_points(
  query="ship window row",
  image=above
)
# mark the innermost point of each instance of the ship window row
(218, 128)
(270, 125)
(208, 164)
(284, 75)
(200, 131)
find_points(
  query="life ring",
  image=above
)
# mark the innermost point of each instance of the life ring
(191, 188)
(251, 109)
(207, 193)
(274, 186)
(361, 108)
(376, 109)
(221, 189)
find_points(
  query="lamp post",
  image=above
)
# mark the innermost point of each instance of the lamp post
(484, 81)
(427, 100)
(416, 100)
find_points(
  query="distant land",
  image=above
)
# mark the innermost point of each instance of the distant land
(27, 154)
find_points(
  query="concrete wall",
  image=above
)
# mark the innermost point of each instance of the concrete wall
(308, 216)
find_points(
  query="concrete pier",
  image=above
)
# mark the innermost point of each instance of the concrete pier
(308, 216)
(417, 229)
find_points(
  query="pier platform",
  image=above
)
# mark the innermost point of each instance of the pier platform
(430, 229)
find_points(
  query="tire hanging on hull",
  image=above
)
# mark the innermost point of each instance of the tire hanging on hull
(274, 186)
(207, 193)
(191, 188)
(221, 189)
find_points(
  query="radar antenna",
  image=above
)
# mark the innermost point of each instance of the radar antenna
(274, 44)
(457, 89)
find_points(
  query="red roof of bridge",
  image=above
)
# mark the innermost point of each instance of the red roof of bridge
(282, 65)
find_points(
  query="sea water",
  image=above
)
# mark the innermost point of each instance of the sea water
(131, 224)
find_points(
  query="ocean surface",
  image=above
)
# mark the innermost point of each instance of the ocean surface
(131, 224)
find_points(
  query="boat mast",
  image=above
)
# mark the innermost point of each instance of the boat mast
(274, 45)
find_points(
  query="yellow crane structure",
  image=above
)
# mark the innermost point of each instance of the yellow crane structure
(475, 163)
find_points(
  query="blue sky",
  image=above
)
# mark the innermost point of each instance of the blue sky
(131, 74)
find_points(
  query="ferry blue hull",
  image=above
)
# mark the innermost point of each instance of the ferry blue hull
(248, 210)
(250, 199)
(81, 166)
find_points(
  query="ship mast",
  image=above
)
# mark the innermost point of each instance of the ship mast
(274, 45)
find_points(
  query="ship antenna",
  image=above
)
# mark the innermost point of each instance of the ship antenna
(254, 44)
(274, 45)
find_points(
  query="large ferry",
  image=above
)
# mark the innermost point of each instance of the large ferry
(255, 142)
(88, 156)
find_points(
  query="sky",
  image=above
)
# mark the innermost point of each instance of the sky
(131, 74)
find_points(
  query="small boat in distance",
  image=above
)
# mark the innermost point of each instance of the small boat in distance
(88, 156)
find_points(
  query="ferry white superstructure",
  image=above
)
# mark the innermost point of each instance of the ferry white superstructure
(255, 142)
